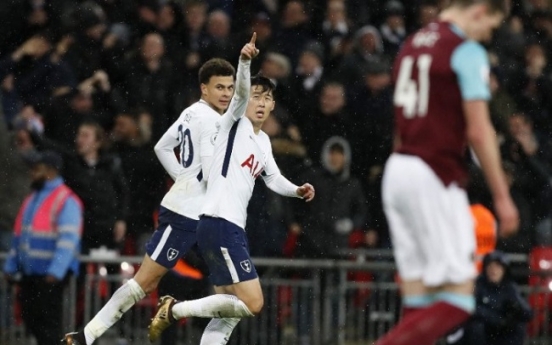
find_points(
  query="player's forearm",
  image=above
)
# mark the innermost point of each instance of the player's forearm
(484, 144)
(281, 185)
(243, 78)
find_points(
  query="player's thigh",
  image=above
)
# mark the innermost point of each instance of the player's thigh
(223, 246)
(249, 292)
(172, 239)
(399, 195)
(450, 246)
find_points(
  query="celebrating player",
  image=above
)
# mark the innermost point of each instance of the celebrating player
(242, 153)
(440, 99)
(194, 132)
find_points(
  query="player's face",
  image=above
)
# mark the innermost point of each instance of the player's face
(261, 103)
(218, 92)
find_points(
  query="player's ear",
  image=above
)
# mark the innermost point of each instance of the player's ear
(273, 105)
(203, 88)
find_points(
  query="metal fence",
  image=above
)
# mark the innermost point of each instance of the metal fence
(306, 302)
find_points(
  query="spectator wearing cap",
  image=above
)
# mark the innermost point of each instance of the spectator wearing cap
(45, 247)
(500, 313)
(393, 31)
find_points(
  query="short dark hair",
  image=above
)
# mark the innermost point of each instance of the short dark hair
(494, 5)
(264, 82)
(215, 67)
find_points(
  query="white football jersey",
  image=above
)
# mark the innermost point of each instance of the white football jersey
(194, 132)
(240, 157)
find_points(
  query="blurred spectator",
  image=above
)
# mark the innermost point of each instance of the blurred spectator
(393, 30)
(307, 81)
(372, 115)
(30, 75)
(45, 248)
(98, 179)
(327, 119)
(219, 42)
(336, 26)
(278, 68)
(295, 30)
(500, 313)
(367, 49)
(270, 214)
(90, 49)
(150, 82)
(169, 24)
(67, 112)
(501, 105)
(195, 16)
(142, 171)
(531, 87)
(14, 177)
(261, 24)
(324, 225)
(531, 156)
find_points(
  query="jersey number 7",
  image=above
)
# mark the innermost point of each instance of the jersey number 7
(411, 95)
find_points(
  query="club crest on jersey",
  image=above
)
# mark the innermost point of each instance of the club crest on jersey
(246, 266)
(172, 254)
(252, 164)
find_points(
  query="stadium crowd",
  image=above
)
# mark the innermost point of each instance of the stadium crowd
(100, 81)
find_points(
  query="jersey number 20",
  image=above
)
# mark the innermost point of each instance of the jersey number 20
(186, 147)
(413, 95)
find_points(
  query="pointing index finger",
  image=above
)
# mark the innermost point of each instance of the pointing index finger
(253, 38)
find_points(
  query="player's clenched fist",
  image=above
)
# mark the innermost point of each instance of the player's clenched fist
(249, 51)
(306, 192)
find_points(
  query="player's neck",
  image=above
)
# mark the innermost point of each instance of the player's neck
(212, 106)
(457, 17)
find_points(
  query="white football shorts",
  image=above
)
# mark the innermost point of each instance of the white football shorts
(431, 226)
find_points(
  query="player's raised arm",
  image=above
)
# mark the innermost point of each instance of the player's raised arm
(236, 110)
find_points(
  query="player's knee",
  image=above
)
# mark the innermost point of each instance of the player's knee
(147, 283)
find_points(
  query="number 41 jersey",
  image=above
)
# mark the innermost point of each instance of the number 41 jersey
(438, 69)
(194, 134)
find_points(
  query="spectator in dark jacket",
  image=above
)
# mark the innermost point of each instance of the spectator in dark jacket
(142, 171)
(98, 180)
(501, 313)
(324, 225)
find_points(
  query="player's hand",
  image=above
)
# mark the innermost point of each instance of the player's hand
(249, 51)
(508, 217)
(306, 192)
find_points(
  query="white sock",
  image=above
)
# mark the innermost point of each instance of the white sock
(121, 301)
(215, 306)
(218, 331)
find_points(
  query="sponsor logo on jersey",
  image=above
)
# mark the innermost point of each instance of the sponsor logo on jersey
(252, 164)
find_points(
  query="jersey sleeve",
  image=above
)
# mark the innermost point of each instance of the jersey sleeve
(275, 181)
(238, 104)
(207, 144)
(164, 149)
(470, 63)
